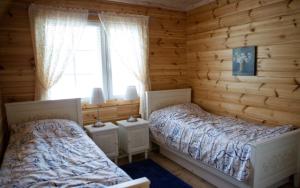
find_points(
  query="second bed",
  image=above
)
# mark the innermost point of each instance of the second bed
(225, 151)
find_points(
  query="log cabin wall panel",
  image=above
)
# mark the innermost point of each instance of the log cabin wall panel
(271, 97)
(1, 132)
(167, 51)
(17, 74)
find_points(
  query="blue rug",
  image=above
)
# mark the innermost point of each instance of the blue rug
(159, 177)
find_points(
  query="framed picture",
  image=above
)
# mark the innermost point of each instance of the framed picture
(244, 61)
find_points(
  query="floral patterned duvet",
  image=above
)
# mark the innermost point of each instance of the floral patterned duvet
(218, 141)
(56, 153)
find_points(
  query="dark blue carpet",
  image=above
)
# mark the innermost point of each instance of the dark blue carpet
(159, 177)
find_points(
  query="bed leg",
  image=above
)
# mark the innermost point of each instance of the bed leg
(130, 158)
(146, 154)
(297, 180)
(297, 175)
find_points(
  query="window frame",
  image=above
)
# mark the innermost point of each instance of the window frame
(106, 64)
(105, 61)
(107, 73)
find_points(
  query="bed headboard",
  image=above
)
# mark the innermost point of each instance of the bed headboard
(35, 110)
(159, 99)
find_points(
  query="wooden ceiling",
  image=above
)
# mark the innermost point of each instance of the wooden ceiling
(181, 5)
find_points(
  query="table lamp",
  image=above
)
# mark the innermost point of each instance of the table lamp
(131, 94)
(96, 99)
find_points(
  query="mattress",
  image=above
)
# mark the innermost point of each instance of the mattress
(217, 141)
(56, 153)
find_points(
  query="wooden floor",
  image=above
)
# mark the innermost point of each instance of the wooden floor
(174, 168)
(180, 172)
(177, 170)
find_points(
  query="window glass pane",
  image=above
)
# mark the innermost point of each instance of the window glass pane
(122, 76)
(85, 70)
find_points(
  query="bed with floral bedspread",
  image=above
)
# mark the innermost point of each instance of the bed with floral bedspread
(56, 153)
(218, 141)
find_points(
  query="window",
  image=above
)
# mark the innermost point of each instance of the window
(94, 65)
(84, 72)
(120, 79)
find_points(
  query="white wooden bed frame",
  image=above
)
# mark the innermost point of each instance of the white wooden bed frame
(66, 109)
(273, 161)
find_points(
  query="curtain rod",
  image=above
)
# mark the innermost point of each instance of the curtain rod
(93, 13)
(90, 11)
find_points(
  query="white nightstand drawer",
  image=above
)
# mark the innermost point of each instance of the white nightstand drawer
(138, 139)
(134, 137)
(106, 139)
(107, 143)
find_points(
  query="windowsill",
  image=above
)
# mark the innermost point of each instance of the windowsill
(111, 111)
(110, 103)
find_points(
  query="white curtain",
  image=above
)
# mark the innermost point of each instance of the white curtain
(127, 37)
(56, 33)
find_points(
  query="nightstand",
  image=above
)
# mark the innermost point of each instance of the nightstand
(106, 139)
(134, 137)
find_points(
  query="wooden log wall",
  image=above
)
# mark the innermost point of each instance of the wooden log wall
(1, 131)
(111, 111)
(273, 96)
(187, 50)
(167, 51)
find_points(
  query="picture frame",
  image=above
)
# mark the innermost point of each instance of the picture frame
(244, 61)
